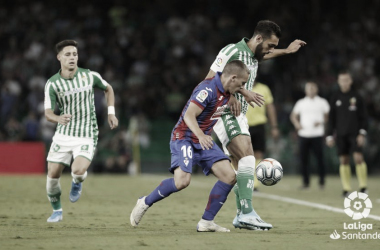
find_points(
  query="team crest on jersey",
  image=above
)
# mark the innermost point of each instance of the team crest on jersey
(338, 103)
(84, 148)
(352, 106)
(219, 112)
(84, 77)
(202, 95)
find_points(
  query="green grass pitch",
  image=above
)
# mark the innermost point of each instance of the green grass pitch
(100, 219)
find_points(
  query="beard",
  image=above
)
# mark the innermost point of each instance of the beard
(259, 54)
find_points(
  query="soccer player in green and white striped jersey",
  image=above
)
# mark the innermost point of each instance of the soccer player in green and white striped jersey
(76, 135)
(232, 128)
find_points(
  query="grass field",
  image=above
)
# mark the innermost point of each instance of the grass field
(100, 219)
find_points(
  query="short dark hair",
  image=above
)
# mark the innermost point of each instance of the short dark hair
(59, 46)
(344, 72)
(266, 29)
(235, 67)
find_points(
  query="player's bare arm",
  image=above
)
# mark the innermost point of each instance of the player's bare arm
(292, 48)
(190, 118)
(61, 119)
(252, 97)
(110, 97)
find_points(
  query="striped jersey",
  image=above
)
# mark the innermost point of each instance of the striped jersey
(238, 51)
(75, 97)
(210, 96)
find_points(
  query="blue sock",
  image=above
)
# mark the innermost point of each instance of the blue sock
(218, 196)
(166, 188)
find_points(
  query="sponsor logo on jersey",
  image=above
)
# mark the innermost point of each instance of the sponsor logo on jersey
(202, 95)
(76, 90)
(219, 112)
(208, 89)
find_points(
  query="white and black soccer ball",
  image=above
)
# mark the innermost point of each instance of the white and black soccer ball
(269, 172)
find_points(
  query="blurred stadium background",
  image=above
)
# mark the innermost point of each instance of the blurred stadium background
(154, 53)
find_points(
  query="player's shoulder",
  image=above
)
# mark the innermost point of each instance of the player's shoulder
(54, 78)
(230, 49)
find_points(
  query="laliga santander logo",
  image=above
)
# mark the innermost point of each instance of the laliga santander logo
(354, 204)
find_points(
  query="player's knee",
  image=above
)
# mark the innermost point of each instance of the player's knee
(182, 183)
(231, 178)
(79, 177)
(79, 170)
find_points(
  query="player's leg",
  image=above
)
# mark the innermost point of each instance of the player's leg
(53, 189)
(259, 155)
(181, 167)
(304, 147)
(79, 174)
(218, 196)
(59, 156)
(317, 148)
(343, 146)
(361, 171)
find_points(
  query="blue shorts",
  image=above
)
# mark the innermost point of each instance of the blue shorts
(186, 153)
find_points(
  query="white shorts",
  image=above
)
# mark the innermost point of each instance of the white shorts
(228, 127)
(64, 148)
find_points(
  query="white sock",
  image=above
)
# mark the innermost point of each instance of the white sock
(79, 178)
(53, 186)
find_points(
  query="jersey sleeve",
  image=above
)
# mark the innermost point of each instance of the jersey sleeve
(326, 107)
(226, 55)
(50, 96)
(201, 96)
(98, 81)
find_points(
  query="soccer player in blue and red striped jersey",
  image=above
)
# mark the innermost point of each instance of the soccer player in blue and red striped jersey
(192, 144)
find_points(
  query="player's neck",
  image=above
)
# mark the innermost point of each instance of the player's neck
(251, 45)
(68, 74)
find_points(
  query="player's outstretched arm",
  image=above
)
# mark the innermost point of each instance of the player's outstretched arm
(292, 48)
(110, 97)
(252, 97)
(192, 112)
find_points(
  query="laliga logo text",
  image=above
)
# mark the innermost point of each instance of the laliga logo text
(357, 206)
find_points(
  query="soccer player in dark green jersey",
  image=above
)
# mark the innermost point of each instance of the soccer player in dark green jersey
(232, 128)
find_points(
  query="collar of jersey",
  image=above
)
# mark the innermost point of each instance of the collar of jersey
(76, 73)
(244, 43)
(219, 83)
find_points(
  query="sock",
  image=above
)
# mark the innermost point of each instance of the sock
(245, 182)
(345, 176)
(361, 173)
(166, 188)
(78, 178)
(236, 191)
(218, 196)
(256, 182)
(53, 189)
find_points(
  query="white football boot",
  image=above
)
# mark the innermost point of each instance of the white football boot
(253, 221)
(210, 226)
(56, 216)
(138, 211)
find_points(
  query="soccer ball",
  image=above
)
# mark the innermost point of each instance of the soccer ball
(269, 171)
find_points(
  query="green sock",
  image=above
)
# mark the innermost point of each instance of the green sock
(55, 200)
(236, 191)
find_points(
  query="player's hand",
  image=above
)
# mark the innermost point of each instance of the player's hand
(330, 141)
(113, 121)
(295, 46)
(64, 119)
(253, 97)
(298, 127)
(206, 141)
(235, 106)
(360, 139)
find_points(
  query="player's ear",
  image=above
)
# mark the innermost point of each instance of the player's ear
(259, 38)
(59, 56)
